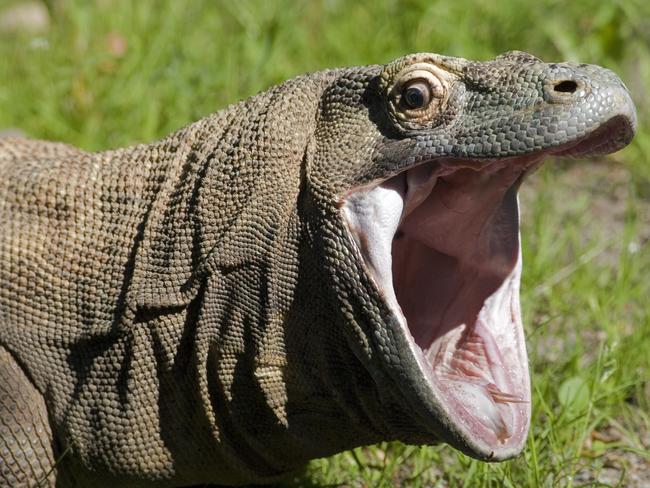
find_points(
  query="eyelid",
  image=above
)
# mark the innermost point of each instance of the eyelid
(417, 72)
(435, 85)
(418, 81)
(437, 77)
(439, 82)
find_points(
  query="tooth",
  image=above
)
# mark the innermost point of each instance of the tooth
(466, 369)
(493, 355)
(502, 397)
(420, 181)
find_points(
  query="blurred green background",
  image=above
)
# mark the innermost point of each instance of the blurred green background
(106, 73)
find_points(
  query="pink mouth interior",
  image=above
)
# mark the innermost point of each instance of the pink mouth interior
(443, 247)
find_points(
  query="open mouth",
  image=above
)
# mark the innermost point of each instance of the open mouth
(442, 246)
(441, 243)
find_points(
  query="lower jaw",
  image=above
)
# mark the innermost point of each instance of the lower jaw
(487, 394)
(488, 408)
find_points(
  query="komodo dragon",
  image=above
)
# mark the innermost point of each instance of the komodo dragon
(330, 263)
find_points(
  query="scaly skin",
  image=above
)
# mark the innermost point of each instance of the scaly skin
(194, 310)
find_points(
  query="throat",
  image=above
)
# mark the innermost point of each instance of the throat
(451, 254)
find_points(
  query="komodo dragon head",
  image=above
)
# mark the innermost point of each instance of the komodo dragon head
(419, 169)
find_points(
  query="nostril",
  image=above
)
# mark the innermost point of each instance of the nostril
(566, 86)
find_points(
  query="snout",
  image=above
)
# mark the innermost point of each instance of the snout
(598, 110)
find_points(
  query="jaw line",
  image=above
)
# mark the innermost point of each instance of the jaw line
(386, 209)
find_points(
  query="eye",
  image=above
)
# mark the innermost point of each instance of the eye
(416, 95)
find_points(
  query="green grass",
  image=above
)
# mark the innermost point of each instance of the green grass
(586, 226)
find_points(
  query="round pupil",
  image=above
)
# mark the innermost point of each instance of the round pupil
(414, 97)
